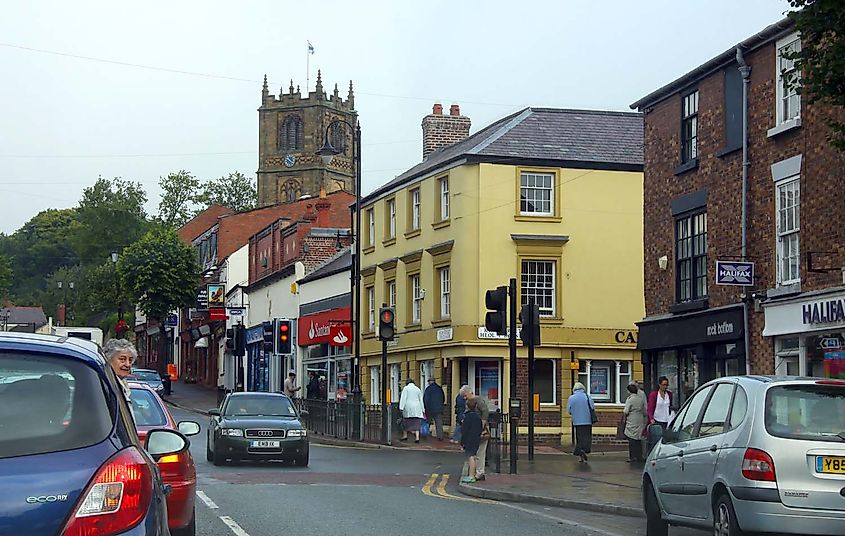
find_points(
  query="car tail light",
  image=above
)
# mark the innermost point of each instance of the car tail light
(758, 465)
(174, 465)
(838, 383)
(116, 499)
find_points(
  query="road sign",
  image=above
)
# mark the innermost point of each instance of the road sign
(735, 273)
(172, 320)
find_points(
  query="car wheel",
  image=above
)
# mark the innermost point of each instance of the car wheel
(301, 460)
(655, 525)
(724, 518)
(189, 530)
(217, 458)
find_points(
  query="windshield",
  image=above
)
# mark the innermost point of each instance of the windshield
(145, 409)
(146, 376)
(49, 404)
(259, 405)
(808, 411)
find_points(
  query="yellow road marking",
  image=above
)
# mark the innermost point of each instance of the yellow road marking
(426, 489)
(440, 489)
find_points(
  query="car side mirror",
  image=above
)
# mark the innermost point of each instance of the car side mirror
(214, 412)
(656, 433)
(163, 442)
(189, 428)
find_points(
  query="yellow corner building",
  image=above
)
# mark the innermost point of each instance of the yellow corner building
(551, 197)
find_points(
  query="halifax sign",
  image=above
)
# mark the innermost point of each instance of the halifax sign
(734, 273)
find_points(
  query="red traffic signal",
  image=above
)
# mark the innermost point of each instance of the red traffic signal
(386, 328)
(283, 334)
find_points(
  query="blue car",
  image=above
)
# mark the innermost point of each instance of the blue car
(71, 463)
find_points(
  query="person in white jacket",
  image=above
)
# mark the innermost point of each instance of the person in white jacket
(413, 410)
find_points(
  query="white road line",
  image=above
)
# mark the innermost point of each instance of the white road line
(234, 526)
(204, 498)
(557, 519)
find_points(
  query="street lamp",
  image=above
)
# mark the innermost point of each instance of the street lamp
(62, 286)
(327, 152)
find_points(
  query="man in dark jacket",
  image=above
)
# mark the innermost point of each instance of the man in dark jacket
(313, 388)
(433, 400)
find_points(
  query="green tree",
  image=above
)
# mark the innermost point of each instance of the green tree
(5, 276)
(111, 216)
(236, 191)
(160, 273)
(821, 60)
(180, 198)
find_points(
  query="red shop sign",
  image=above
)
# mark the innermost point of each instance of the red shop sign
(217, 313)
(340, 335)
(317, 328)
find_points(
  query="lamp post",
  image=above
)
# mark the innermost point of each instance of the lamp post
(64, 288)
(327, 152)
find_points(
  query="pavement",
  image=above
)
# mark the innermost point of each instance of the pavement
(605, 484)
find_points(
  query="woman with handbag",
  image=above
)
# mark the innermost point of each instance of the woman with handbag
(583, 411)
(635, 417)
(413, 410)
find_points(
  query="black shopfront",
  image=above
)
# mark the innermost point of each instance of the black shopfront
(692, 349)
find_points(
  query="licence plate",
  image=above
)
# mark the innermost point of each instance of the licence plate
(830, 464)
(264, 444)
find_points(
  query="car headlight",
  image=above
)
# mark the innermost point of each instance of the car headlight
(236, 432)
(296, 433)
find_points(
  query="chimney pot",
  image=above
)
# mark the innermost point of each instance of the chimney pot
(441, 130)
(437, 109)
(454, 110)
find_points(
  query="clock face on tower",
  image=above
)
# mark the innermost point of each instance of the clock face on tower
(290, 160)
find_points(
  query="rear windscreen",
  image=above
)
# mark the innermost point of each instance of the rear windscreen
(146, 409)
(807, 411)
(145, 376)
(49, 404)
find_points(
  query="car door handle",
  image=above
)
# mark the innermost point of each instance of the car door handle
(713, 448)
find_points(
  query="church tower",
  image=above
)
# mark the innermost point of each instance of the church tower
(290, 130)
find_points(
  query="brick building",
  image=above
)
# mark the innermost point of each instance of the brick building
(696, 329)
(290, 130)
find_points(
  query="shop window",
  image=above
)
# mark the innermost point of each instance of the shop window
(606, 381)
(395, 381)
(545, 381)
(825, 355)
(691, 257)
(426, 372)
(787, 356)
(375, 385)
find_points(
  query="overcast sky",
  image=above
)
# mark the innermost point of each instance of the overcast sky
(66, 120)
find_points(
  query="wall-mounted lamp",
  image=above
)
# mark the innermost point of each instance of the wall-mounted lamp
(663, 262)
(422, 293)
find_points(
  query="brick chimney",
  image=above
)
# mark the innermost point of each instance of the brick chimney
(323, 206)
(441, 130)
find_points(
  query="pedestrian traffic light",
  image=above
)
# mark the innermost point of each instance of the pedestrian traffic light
(283, 334)
(386, 327)
(269, 336)
(240, 340)
(529, 317)
(230, 340)
(496, 319)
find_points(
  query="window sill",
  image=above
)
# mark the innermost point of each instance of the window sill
(781, 291)
(389, 242)
(413, 327)
(686, 166)
(549, 407)
(441, 224)
(728, 150)
(786, 126)
(412, 233)
(442, 322)
(535, 219)
(550, 321)
(368, 334)
(367, 250)
(686, 307)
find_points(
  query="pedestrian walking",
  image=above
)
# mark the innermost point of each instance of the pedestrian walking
(483, 409)
(471, 439)
(434, 399)
(290, 385)
(582, 408)
(460, 408)
(635, 419)
(312, 390)
(121, 355)
(413, 410)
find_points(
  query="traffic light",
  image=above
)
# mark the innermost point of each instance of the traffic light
(529, 317)
(240, 340)
(283, 333)
(496, 319)
(386, 328)
(269, 336)
(230, 340)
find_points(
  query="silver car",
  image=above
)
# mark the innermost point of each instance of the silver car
(751, 454)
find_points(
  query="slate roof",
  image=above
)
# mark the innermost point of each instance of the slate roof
(567, 138)
(340, 263)
(24, 316)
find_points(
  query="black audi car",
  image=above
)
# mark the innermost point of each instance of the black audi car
(256, 426)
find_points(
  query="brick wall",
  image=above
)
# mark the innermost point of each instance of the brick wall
(441, 130)
(822, 192)
(202, 222)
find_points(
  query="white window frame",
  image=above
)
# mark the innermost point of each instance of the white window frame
(371, 309)
(785, 354)
(689, 126)
(371, 223)
(395, 381)
(391, 294)
(554, 401)
(375, 385)
(416, 297)
(445, 292)
(391, 218)
(416, 209)
(444, 198)
(426, 372)
(788, 231)
(618, 393)
(528, 184)
(545, 310)
(786, 98)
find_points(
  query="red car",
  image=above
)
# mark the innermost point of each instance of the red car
(177, 470)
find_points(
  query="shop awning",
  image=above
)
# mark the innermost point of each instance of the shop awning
(711, 326)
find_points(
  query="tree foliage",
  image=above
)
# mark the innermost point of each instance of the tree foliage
(235, 191)
(180, 198)
(5, 276)
(821, 60)
(159, 272)
(111, 216)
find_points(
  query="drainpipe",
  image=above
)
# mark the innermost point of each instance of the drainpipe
(745, 72)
